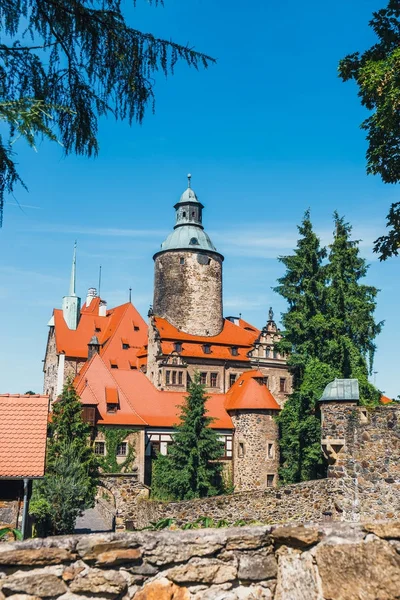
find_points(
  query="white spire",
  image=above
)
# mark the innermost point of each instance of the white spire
(71, 305)
(72, 284)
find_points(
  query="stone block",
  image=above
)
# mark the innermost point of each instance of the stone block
(296, 536)
(95, 581)
(45, 585)
(203, 571)
(257, 567)
(367, 570)
(162, 589)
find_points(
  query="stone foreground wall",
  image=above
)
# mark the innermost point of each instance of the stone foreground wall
(320, 500)
(293, 562)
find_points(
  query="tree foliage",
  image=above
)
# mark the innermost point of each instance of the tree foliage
(114, 436)
(70, 482)
(329, 332)
(64, 64)
(376, 73)
(192, 468)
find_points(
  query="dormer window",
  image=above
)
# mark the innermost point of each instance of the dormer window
(207, 349)
(194, 241)
(178, 347)
(234, 351)
(113, 363)
(125, 345)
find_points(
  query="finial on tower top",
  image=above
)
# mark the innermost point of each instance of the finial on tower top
(270, 314)
(189, 178)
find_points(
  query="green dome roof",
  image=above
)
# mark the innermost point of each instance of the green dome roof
(188, 237)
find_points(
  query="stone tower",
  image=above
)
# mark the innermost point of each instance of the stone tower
(339, 411)
(252, 408)
(188, 273)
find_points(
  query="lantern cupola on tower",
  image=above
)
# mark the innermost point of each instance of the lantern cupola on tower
(188, 229)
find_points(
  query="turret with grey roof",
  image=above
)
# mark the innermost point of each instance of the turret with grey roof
(188, 273)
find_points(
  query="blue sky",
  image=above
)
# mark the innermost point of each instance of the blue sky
(266, 133)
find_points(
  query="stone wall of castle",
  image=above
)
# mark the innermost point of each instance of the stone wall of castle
(361, 443)
(292, 562)
(50, 367)
(255, 450)
(188, 291)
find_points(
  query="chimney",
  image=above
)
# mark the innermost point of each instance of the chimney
(92, 293)
(103, 308)
(93, 347)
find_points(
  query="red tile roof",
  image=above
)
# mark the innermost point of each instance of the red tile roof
(250, 392)
(242, 335)
(385, 400)
(23, 433)
(121, 325)
(140, 403)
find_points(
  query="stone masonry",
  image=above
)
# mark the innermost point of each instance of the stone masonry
(256, 451)
(188, 290)
(288, 562)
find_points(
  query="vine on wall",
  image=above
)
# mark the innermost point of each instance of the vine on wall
(114, 436)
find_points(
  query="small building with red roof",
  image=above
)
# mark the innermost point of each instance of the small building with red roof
(133, 375)
(23, 435)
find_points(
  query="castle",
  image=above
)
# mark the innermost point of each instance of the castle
(130, 374)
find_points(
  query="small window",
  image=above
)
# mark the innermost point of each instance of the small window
(100, 448)
(276, 354)
(178, 347)
(89, 414)
(173, 377)
(193, 214)
(136, 328)
(232, 379)
(125, 346)
(213, 379)
(282, 384)
(122, 449)
(234, 351)
(203, 378)
(207, 349)
(181, 260)
(174, 361)
(194, 241)
(241, 450)
(112, 408)
(180, 377)
(184, 214)
(113, 364)
(97, 329)
(167, 377)
(270, 450)
(270, 480)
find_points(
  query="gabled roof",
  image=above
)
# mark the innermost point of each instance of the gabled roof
(120, 323)
(250, 392)
(23, 434)
(140, 403)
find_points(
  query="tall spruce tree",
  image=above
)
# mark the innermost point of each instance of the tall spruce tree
(351, 306)
(70, 482)
(329, 332)
(304, 339)
(192, 468)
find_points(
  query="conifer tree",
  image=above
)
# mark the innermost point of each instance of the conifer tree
(304, 340)
(64, 64)
(70, 482)
(351, 307)
(192, 468)
(329, 332)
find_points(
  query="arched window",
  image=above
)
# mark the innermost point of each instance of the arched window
(194, 241)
